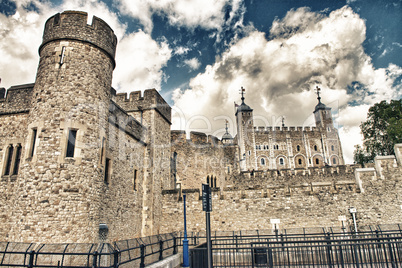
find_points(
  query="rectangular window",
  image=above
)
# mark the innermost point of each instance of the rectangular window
(107, 167)
(135, 180)
(32, 148)
(17, 159)
(72, 135)
(9, 159)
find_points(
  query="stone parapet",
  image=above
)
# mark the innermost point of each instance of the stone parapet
(72, 25)
(17, 100)
(150, 100)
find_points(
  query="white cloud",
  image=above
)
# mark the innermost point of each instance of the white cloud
(139, 61)
(21, 35)
(208, 14)
(305, 49)
(193, 63)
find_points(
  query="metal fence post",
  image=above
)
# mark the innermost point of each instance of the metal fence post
(329, 249)
(160, 250)
(31, 259)
(391, 254)
(270, 258)
(116, 258)
(174, 246)
(142, 249)
(94, 260)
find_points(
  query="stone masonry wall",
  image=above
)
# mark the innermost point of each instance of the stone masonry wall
(376, 194)
(199, 157)
(18, 99)
(13, 130)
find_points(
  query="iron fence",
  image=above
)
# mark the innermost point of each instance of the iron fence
(311, 247)
(127, 253)
(325, 247)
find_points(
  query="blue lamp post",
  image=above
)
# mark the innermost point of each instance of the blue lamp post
(185, 241)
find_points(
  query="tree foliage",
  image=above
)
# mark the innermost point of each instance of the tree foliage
(381, 131)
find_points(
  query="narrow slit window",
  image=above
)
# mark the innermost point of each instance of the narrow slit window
(17, 159)
(102, 150)
(300, 161)
(317, 161)
(135, 180)
(107, 171)
(33, 141)
(9, 159)
(72, 135)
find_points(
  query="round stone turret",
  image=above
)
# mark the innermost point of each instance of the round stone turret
(72, 25)
(64, 163)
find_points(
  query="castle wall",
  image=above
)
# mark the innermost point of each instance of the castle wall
(151, 110)
(57, 194)
(12, 131)
(17, 100)
(199, 158)
(121, 198)
(315, 204)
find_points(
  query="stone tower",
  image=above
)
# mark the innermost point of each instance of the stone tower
(322, 114)
(245, 135)
(64, 161)
(329, 137)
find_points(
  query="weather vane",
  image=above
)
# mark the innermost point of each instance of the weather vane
(242, 92)
(318, 90)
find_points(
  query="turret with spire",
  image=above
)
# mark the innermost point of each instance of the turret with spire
(227, 138)
(245, 135)
(322, 113)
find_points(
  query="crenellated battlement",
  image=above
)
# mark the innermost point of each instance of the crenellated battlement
(119, 118)
(196, 138)
(17, 100)
(72, 25)
(135, 102)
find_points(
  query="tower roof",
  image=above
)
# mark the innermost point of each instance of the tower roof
(227, 135)
(320, 105)
(243, 106)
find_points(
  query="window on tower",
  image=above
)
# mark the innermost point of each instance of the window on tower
(71, 142)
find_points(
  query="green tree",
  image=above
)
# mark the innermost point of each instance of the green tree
(381, 131)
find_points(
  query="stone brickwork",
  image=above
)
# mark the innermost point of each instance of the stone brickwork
(18, 99)
(201, 159)
(80, 163)
(110, 179)
(378, 200)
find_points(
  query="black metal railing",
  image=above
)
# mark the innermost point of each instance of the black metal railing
(317, 247)
(127, 253)
(324, 247)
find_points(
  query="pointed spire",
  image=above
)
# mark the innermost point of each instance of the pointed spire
(283, 121)
(226, 126)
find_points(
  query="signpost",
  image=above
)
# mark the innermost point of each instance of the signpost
(207, 207)
(185, 240)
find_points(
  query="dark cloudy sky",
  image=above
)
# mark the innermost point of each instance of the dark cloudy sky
(198, 53)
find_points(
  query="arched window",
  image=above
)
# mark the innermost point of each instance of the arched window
(208, 179)
(262, 162)
(317, 161)
(332, 148)
(334, 161)
(315, 148)
(281, 161)
(300, 161)
(298, 148)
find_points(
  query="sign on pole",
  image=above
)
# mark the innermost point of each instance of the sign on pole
(206, 198)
